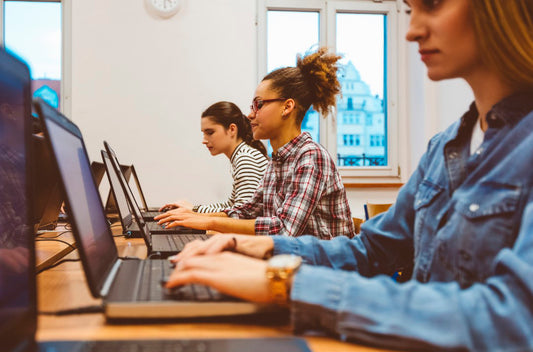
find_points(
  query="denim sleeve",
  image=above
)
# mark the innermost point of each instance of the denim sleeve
(493, 315)
(385, 244)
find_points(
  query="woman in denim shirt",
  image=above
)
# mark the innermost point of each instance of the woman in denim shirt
(463, 223)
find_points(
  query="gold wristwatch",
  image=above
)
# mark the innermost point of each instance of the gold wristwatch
(280, 269)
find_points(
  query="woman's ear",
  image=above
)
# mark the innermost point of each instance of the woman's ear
(288, 107)
(233, 129)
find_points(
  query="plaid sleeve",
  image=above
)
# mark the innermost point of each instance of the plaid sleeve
(303, 194)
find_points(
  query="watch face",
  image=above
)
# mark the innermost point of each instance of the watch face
(285, 261)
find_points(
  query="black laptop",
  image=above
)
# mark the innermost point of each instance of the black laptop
(128, 207)
(18, 292)
(161, 245)
(47, 199)
(130, 289)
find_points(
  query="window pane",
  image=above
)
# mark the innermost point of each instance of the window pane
(290, 33)
(32, 30)
(361, 110)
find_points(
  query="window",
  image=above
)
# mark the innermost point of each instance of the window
(366, 33)
(33, 31)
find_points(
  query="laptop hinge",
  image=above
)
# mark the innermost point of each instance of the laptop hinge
(110, 278)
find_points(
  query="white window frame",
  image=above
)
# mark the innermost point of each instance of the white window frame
(327, 37)
(66, 45)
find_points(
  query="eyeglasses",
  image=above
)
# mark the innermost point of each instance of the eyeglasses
(257, 104)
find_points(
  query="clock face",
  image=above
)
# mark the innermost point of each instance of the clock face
(164, 8)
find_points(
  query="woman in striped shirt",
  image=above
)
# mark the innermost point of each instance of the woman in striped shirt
(302, 191)
(226, 130)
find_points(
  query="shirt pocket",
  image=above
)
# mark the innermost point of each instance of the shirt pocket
(490, 211)
(486, 221)
(426, 195)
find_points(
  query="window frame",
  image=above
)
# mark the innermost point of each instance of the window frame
(66, 52)
(327, 37)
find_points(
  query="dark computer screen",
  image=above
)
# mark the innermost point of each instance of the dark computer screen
(92, 232)
(47, 197)
(118, 194)
(17, 262)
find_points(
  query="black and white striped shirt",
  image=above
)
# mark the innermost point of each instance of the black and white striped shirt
(248, 166)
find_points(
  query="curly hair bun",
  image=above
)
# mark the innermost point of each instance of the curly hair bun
(319, 70)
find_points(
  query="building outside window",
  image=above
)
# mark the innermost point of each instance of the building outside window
(32, 31)
(359, 30)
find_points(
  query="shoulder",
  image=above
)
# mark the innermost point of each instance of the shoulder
(313, 151)
(248, 155)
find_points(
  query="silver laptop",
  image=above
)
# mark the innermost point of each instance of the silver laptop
(130, 289)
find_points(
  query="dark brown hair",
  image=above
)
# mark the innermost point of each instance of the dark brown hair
(225, 113)
(312, 82)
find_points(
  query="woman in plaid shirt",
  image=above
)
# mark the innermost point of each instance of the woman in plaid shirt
(302, 191)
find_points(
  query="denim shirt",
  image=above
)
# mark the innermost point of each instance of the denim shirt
(462, 223)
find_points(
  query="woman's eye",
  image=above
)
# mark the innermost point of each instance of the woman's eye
(431, 4)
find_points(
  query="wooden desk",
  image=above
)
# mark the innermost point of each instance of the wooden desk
(65, 287)
(49, 249)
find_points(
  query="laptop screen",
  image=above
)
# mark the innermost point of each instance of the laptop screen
(17, 262)
(93, 235)
(121, 187)
(118, 193)
(47, 197)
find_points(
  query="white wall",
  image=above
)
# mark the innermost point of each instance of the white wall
(141, 83)
(150, 79)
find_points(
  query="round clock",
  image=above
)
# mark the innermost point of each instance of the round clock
(163, 8)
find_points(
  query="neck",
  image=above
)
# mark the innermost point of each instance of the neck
(232, 147)
(286, 135)
(488, 89)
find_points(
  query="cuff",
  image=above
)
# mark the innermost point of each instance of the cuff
(315, 307)
(265, 226)
(231, 213)
(285, 245)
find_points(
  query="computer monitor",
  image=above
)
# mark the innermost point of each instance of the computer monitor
(46, 186)
(18, 313)
(98, 170)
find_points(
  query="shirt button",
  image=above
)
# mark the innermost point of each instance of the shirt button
(473, 207)
(452, 155)
(479, 151)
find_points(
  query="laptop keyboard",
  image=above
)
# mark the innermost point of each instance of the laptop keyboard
(147, 346)
(157, 271)
(177, 242)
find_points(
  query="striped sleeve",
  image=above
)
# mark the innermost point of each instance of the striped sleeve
(248, 168)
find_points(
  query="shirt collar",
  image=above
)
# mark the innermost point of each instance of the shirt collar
(295, 144)
(508, 111)
(237, 148)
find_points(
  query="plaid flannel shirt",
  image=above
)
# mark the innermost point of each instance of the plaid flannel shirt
(301, 193)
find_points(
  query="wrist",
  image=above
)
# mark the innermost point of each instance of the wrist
(280, 272)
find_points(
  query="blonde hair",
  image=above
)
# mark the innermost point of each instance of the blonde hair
(504, 29)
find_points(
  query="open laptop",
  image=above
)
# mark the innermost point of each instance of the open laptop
(98, 170)
(162, 245)
(145, 207)
(130, 289)
(128, 207)
(18, 291)
(47, 199)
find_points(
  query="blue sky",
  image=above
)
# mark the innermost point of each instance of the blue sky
(360, 38)
(32, 30)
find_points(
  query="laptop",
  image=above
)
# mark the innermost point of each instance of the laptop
(47, 199)
(128, 207)
(130, 289)
(160, 245)
(98, 170)
(18, 291)
(145, 207)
